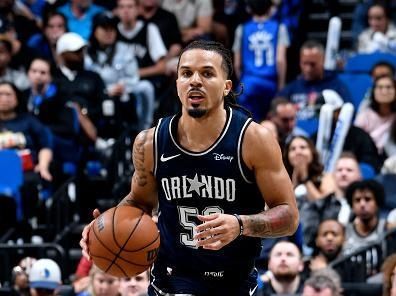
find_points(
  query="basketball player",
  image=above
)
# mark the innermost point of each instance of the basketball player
(212, 170)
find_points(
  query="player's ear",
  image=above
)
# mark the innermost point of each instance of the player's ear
(227, 87)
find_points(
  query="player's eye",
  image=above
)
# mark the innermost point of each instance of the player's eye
(207, 74)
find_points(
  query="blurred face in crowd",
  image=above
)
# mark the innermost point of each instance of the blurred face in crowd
(134, 286)
(381, 70)
(346, 171)
(39, 74)
(384, 90)
(330, 238)
(364, 205)
(106, 35)
(104, 284)
(55, 28)
(149, 3)
(311, 291)
(82, 4)
(127, 11)
(285, 118)
(377, 19)
(285, 261)
(299, 152)
(8, 99)
(5, 56)
(312, 63)
(74, 60)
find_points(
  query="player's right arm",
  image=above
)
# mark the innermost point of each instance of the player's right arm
(143, 192)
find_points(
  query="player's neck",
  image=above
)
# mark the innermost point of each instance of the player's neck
(198, 134)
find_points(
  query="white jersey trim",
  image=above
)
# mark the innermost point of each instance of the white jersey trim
(156, 146)
(239, 151)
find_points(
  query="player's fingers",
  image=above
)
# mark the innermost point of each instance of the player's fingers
(96, 213)
(208, 217)
(217, 245)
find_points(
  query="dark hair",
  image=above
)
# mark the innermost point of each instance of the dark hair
(7, 43)
(372, 185)
(373, 102)
(383, 4)
(278, 101)
(315, 168)
(383, 64)
(259, 7)
(349, 155)
(226, 63)
(18, 93)
(45, 60)
(310, 44)
(103, 19)
(52, 13)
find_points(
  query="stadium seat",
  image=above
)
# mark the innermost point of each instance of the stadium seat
(363, 63)
(357, 84)
(11, 178)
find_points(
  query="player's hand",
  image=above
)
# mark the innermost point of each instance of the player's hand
(217, 231)
(85, 236)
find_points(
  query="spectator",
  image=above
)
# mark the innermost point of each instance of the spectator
(381, 34)
(20, 282)
(27, 135)
(284, 267)
(260, 58)
(324, 282)
(366, 198)
(79, 15)
(45, 278)
(194, 18)
(283, 114)
(144, 40)
(135, 285)
(18, 77)
(303, 165)
(377, 119)
(101, 283)
(306, 89)
(328, 244)
(118, 68)
(352, 139)
(389, 272)
(44, 44)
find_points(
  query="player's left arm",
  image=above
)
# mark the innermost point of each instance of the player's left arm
(262, 154)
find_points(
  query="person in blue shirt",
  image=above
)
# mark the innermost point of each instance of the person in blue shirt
(304, 91)
(260, 58)
(211, 170)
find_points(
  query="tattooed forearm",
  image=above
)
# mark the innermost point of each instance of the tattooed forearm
(140, 175)
(129, 201)
(278, 221)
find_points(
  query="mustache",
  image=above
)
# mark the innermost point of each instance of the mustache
(195, 90)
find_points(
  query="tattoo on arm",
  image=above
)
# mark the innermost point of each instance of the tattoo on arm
(140, 175)
(272, 223)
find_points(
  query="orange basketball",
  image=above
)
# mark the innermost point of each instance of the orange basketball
(124, 241)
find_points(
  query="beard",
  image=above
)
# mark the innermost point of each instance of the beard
(75, 65)
(196, 112)
(286, 276)
(331, 255)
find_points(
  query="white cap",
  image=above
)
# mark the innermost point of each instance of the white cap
(69, 42)
(45, 274)
(332, 98)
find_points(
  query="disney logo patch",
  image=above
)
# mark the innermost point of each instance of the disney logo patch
(218, 156)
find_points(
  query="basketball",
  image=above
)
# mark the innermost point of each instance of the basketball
(123, 241)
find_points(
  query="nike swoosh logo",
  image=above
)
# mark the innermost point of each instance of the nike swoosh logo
(251, 292)
(163, 158)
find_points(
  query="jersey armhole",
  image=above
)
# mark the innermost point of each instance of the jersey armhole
(246, 173)
(155, 145)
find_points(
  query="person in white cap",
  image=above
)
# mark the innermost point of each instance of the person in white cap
(45, 277)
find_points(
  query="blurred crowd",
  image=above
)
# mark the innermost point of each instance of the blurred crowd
(79, 79)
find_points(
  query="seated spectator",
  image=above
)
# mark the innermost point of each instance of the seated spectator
(352, 139)
(307, 88)
(381, 34)
(45, 278)
(391, 220)
(303, 165)
(324, 282)
(20, 282)
(284, 268)
(194, 18)
(283, 114)
(101, 283)
(44, 44)
(79, 15)
(328, 244)
(135, 286)
(378, 117)
(18, 77)
(389, 272)
(390, 145)
(260, 58)
(118, 68)
(366, 198)
(27, 135)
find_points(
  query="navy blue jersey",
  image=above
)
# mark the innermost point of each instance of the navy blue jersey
(212, 181)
